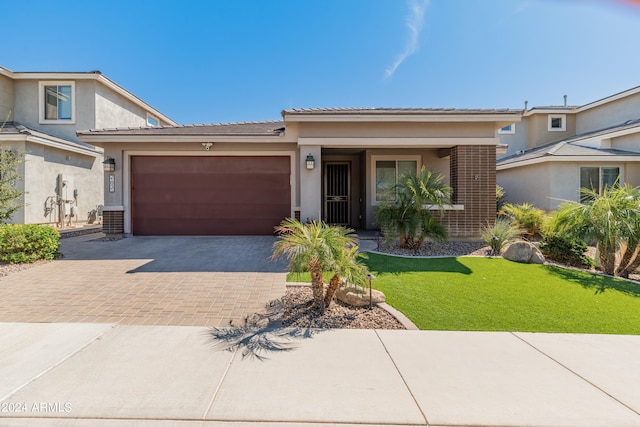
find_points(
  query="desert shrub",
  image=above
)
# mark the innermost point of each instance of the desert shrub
(500, 198)
(566, 250)
(498, 235)
(23, 243)
(526, 217)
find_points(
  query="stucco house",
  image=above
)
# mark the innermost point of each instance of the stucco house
(333, 164)
(555, 151)
(41, 111)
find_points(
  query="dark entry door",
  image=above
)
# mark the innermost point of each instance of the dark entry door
(337, 193)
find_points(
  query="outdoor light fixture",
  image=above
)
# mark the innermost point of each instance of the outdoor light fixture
(311, 162)
(371, 277)
(109, 164)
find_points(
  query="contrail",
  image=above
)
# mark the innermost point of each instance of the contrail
(415, 20)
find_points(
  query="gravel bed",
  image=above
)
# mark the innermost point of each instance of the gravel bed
(451, 248)
(7, 269)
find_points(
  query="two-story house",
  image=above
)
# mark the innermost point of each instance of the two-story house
(40, 113)
(555, 151)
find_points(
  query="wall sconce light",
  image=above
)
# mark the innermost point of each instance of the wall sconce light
(311, 162)
(109, 164)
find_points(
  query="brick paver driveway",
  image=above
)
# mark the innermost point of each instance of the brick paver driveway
(197, 281)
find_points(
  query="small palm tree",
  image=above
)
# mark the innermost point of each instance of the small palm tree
(408, 218)
(315, 247)
(349, 267)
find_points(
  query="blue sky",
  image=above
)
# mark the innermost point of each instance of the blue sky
(246, 60)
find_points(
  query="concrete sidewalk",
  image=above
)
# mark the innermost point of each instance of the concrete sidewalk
(117, 375)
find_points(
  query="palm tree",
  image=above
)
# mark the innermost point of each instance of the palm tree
(610, 219)
(348, 267)
(314, 247)
(408, 218)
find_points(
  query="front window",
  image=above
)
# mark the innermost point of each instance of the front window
(57, 102)
(387, 174)
(597, 178)
(508, 129)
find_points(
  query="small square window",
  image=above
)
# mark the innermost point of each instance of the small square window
(152, 121)
(557, 123)
(508, 129)
(57, 102)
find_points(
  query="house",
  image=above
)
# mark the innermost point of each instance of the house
(63, 176)
(333, 164)
(555, 151)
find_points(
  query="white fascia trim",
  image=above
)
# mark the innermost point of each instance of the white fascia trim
(444, 207)
(59, 145)
(609, 99)
(126, 177)
(97, 139)
(396, 142)
(566, 159)
(416, 118)
(550, 111)
(92, 76)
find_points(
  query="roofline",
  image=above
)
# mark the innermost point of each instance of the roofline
(595, 158)
(547, 110)
(51, 143)
(88, 75)
(101, 138)
(611, 98)
(379, 115)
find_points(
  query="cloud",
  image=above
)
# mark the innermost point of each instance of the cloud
(415, 21)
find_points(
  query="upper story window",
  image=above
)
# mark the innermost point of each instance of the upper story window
(557, 122)
(57, 102)
(152, 121)
(508, 129)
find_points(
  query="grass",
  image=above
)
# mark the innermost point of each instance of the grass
(493, 294)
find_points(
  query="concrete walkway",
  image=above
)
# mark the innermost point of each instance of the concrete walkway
(109, 375)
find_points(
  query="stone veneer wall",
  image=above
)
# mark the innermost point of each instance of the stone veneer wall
(473, 179)
(113, 222)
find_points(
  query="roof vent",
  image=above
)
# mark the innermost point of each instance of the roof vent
(520, 152)
(565, 100)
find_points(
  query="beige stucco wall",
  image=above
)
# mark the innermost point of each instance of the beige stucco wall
(7, 97)
(113, 110)
(394, 130)
(609, 114)
(516, 141)
(527, 184)
(538, 132)
(628, 142)
(82, 173)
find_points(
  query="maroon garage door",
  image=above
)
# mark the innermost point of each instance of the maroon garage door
(209, 195)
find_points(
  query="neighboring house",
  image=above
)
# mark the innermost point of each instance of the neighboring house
(62, 176)
(555, 151)
(334, 164)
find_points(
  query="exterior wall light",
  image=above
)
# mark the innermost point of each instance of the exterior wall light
(109, 165)
(311, 162)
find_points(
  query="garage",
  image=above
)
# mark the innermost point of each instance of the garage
(209, 195)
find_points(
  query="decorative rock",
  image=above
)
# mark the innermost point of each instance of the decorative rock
(524, 252)
(358, 297)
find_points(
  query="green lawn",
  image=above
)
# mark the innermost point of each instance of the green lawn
(493, 294)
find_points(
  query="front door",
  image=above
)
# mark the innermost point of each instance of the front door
(337, 193)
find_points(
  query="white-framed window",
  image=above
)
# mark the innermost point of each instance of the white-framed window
(557, 122)
(508, 129)
(386, 171)
(597, 178)
(152, 121)
(57, 102)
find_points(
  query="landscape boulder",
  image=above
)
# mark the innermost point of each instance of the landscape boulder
(358, 297)
(524, 252)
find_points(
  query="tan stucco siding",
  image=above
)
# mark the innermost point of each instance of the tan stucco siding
(7, 97)
(396, 130)
(527, 184)
(627, 142)
(82, 173)
(114, 110)
(539, 133)
(609, 114)
(516, 141)
(632, 173)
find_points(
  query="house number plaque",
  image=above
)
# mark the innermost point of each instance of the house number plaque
(112, 183)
